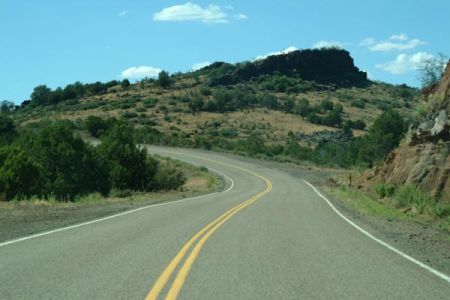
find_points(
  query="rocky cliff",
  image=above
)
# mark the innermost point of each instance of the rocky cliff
(324, 66)
(423, 158)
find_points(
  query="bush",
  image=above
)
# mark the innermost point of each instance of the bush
(384, 190)
(164, 79)
(442, 210)
(129, 115)
(205, 91)
(70, 167)
(150, 102)
(302, 107)
(96, 126)
(411, 195)
(20, 175)
(125, 84)
(327, 105)
(358, 103)
(359, 124)
(168, 177)
(7, 130)
(130, 168)
(6, 106)
(333, 118)
(314, 118)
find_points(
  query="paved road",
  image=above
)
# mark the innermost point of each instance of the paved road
(285, 242)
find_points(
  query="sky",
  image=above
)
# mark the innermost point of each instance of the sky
(58, 42)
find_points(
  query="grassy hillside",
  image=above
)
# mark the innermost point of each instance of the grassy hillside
(225, 103)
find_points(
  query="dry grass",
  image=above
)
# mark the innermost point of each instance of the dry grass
(277, 124)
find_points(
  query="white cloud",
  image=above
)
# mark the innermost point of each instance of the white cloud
(200, 65)
(285, 51)
(405, 63)
(241, 16)
(367, 41)
(192, 12)
(140, 72)
(124, 13)
(399, 37)
(398, 42)
(329, 44)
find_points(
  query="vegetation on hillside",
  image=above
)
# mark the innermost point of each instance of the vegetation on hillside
(309, 106)
(55, 162)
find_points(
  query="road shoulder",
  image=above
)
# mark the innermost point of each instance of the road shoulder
(23, 218)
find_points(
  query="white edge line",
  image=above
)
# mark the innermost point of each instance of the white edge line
(411, 259)
(120, 214)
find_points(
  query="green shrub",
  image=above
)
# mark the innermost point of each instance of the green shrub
(302, 107)
(358, 103)
(411, 195)
(384, 190)
(205, 91)
(96, 126)
(129, 115)
(442, 210)
(20, 174)
(129, 166)
(358, 124)
(314, 118)
(326, 105)
(150, 102)
(70, 167)
(7, 130)
(71, 102)
(168, 177)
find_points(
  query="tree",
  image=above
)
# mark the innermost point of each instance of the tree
(269, 101)
(302, 107)
(196, 104)
(326, 104)
(96, 126)
(70, 167)
(333, 118)
(6, 106)
(129, 166)
(7, 130)
(431, 70)
(164, 79)
(20, 175)
(288, 105)
(125, 84)
(41, 95)
(384, 135)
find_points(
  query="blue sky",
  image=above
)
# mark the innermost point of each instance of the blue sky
(57, 42)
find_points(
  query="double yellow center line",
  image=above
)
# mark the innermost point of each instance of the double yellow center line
(198, 241)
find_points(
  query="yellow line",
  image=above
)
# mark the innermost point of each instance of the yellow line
(184, 270)
(212, 227)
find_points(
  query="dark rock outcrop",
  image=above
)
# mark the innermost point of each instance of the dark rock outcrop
(324, 66)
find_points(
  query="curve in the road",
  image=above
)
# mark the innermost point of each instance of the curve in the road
(199, 239)
(28, 237)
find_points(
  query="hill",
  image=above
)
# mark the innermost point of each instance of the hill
(304, 97)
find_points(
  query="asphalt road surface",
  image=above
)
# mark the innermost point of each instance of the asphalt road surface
(268, 236)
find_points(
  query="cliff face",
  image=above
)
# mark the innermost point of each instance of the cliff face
(325, 66)
(423, 158)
